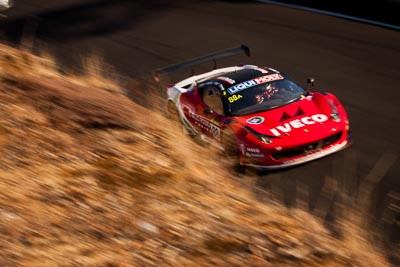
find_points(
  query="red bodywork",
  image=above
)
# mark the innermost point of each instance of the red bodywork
(299, 132)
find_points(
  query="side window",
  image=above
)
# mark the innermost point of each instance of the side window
(212, 98)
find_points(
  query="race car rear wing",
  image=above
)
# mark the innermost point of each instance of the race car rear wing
(196, 61)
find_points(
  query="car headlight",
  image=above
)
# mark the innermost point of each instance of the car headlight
(262, 137)
(335, 114)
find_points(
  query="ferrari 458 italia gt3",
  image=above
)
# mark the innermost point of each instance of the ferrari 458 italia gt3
(258, 115)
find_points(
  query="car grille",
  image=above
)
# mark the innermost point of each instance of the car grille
(308, 148)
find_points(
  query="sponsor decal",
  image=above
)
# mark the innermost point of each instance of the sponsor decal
(215, 131)
(256, 81)
(205, 124)
(254, 155)
(255, 150)
(298, 123)
(234, 98)
(255, 120)
(251, 152)
(227, 79)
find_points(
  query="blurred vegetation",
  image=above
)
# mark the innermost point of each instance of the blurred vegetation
(90, 178)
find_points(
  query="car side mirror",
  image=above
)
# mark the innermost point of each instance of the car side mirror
(311, 81)
(208, 111)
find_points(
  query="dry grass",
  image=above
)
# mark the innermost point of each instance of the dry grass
(89, 178)
(94, 72)
(98, 74)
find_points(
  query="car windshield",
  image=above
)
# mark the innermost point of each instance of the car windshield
(263, 97)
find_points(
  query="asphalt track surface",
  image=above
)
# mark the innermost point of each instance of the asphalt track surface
(383, 13)
(357, 62)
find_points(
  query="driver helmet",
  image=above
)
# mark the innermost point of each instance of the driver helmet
(266, 94)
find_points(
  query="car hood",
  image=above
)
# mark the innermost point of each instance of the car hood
(308, 118)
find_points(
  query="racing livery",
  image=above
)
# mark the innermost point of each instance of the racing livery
(259, 116)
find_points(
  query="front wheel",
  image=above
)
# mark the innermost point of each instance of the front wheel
(231, 150)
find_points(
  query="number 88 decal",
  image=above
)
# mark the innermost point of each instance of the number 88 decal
(234, 98)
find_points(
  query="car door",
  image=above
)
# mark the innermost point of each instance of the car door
(200, 111)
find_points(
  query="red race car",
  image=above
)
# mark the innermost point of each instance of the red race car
(258, 115)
